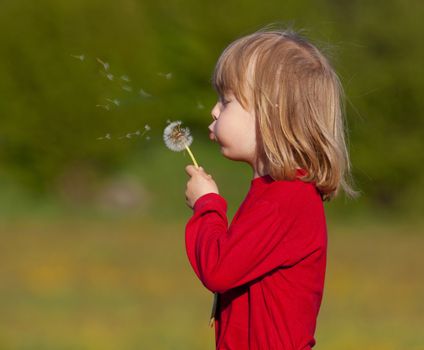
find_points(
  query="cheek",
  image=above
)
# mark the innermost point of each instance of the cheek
(236, 135)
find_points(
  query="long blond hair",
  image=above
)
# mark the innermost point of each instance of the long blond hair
(297, 99)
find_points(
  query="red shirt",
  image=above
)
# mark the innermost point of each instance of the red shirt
(268, 266)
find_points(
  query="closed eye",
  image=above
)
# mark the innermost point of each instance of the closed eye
(224, 101)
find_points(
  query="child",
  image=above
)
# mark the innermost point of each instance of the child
(279, 110)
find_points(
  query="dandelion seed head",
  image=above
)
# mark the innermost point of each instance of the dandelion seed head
(176, 138)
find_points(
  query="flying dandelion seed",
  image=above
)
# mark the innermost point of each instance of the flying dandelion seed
(146, 129)
(110, 76)
(168, 121)
(147, 138)
(166, 75)
(116, 102)
(125, 78)
(127, 88)
(104, 107)
(107, 136)
(144, 93)
(136, 133)
(200, 105)
(126, 136)
(104, 64)
(79, 57)
(178, 138)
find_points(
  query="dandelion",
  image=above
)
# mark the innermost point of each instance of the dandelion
(177, 138)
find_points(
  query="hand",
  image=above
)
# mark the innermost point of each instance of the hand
(199, 184)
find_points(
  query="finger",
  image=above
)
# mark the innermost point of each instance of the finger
(201, 170)
(190, 170)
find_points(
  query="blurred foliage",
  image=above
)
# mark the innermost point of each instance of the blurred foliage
(50, 122)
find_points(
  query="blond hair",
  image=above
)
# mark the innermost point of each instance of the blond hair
(297, 100)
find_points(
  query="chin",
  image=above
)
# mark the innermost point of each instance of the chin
(228, 155)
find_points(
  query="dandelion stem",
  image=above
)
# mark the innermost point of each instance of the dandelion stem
(192, 157)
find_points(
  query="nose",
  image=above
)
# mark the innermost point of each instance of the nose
(215, 111)
(215, 114)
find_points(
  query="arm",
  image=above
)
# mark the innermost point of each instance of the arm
(263, 240)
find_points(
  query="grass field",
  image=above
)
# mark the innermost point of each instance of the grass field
(128, 285)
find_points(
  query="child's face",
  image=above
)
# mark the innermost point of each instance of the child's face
(234, 129)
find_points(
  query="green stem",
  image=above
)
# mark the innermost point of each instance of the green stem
(192, 157)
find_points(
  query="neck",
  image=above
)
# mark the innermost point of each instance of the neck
(258, 171)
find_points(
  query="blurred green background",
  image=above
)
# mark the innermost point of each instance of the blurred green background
(92, 226)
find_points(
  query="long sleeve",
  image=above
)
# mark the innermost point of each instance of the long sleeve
(267, 235)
